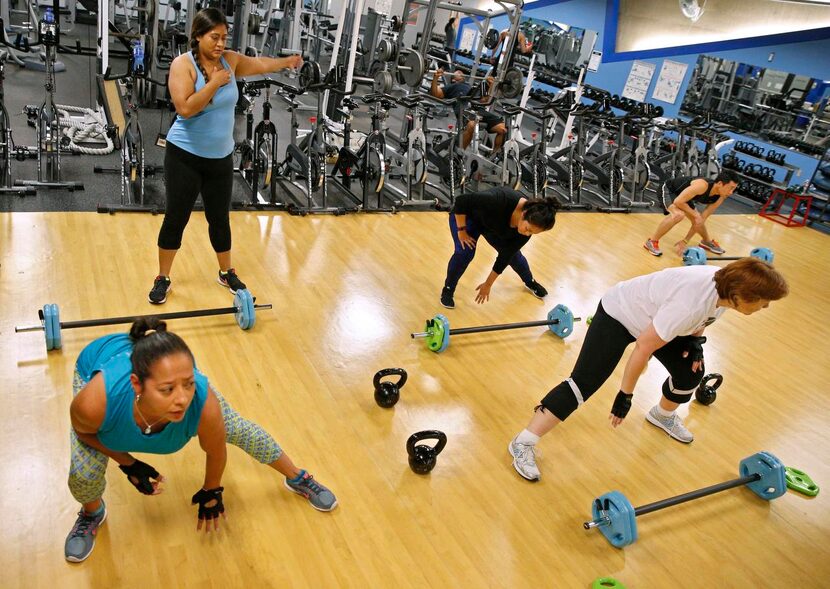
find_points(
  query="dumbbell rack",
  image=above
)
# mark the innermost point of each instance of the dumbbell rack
(781, 184)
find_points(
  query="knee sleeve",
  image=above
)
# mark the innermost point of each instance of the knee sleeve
(676, 394)
(564, 399)
(247, 435)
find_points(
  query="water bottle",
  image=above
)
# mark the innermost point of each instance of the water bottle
(138, 57)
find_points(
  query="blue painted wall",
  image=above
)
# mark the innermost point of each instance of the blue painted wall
(811, 58)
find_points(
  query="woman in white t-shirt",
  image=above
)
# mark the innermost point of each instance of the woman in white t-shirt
(665, 314)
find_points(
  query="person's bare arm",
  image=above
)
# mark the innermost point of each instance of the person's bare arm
(182, 85)
(87, 412)
(244, 65)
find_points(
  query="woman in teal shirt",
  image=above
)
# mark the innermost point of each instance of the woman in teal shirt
(141, 392)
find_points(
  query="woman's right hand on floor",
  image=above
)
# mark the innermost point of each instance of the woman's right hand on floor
(466, 240)
(483, 293)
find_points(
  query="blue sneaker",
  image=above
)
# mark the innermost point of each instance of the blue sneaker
(81, 539)
(318, 495)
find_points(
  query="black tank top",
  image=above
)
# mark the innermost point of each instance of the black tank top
(681, 183)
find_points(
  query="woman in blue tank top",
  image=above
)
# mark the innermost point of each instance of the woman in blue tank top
(198, 156)
(141, 392)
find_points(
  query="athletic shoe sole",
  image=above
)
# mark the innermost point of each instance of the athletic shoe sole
(164, 300)
(712, 251)
(654, 421)
(301, 494)
(76, 559)
(525, 477)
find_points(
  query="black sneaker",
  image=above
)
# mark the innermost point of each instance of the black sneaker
(537, 289)
(231, 280)
(161, 288)
(447, 299)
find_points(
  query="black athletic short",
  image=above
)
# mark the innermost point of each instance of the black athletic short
(489, 120)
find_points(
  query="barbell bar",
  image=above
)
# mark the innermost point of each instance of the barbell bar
(243, 309)
(614, 515)
(414, 69)
(560, 321)
(696, 256)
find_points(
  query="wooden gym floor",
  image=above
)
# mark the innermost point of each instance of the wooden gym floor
(347, 292)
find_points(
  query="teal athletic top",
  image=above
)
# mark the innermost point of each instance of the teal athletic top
(208, 133)
(119, 431)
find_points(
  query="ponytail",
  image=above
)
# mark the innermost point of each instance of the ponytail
(152, 342)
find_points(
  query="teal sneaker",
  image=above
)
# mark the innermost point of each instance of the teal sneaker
(81, 539)
(318, 495)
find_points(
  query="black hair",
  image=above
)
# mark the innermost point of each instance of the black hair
(541, 211)
(203, 22)
(727, 176)
(152, 342)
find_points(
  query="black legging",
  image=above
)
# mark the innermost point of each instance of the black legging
(605, 342)
(186, 175)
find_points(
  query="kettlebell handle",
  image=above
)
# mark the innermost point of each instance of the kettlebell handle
(390, 372)
(430, 434)
(714, 376)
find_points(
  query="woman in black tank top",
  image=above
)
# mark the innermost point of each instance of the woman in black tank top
(679, 198)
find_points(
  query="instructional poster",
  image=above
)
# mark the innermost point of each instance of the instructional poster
(669, 82)
(639, 79)
(594, 61)
(468, 38)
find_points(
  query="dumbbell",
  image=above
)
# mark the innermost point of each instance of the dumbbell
(243, 309)
(614, 514)
(560, 321)
(696, 256)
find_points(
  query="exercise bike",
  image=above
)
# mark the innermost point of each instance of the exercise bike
(7, 148)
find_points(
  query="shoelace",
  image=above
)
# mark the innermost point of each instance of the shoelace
(82, 528)
(527, 453)
(312, 485)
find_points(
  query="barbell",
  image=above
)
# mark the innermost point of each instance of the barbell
(696, 256)
(243, 309)
(615, 517)
(560, 321)
(414, 69)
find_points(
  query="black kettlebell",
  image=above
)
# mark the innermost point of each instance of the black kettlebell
(707, 393)
(422, 457)
(387, 393)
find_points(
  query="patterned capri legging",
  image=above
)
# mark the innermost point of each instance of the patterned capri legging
(88, 466)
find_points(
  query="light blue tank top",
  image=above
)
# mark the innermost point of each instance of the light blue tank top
(208, 133)
(110, 355)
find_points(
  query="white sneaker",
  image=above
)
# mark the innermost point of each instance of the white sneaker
(672, 425)
(524, 460)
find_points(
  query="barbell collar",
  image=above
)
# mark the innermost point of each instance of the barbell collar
(131, 318)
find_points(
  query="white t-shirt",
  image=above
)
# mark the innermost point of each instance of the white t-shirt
(679, 301)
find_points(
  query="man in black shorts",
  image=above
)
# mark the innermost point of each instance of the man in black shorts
(679, 198)
(459, 87)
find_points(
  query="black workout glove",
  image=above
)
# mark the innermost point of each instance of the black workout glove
(142, 472)
(622, 404)
(695, 348)
(202, 497)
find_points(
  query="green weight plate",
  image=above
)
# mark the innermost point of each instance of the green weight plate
(607, 583)
(436, 334)
(56, 328)
(621, 530)
(47, 326)
(565, 326)
(800, 481)
(772, 483)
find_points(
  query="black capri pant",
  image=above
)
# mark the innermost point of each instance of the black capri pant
(605, 343)
(187, 175)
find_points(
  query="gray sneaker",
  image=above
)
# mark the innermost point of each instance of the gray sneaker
(672, 425)
(524, 460)
(653, 247)
(318, 495)
(81, 539)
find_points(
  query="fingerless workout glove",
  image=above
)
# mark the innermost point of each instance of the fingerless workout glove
(202, 497)
(142, 472)
(695, 348)
(622, 404)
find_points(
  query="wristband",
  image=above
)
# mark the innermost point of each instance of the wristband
(462, 228)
